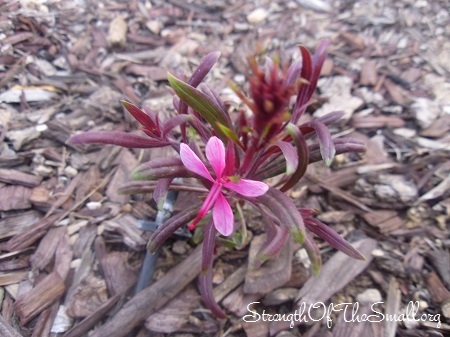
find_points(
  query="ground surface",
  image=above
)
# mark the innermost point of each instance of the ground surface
(70, 251)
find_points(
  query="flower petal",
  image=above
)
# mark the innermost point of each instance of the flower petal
(223, 216)
(209, 202)
(215, 152)
(248, 188)
(193, 162)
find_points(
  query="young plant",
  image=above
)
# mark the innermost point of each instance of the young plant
(242, 157)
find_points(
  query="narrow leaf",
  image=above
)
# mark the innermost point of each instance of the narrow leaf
(318, 59)
(327, 149)
(230, 135)
(175, 121)
(136, 187)
(314, 255)
(119, 138)
(273, 168)
(270, 67)
(341, 145)
(310, 72)
(212, 94)
(161, 168)
(333, 238)
(307, 212)
(226, 243)
(204, 68)
(169, 227)
(302, 154)
(143, 118)
(160, 192)
(285, 211)
(209, 242)
(293, 73)
(272, 246)
(200, 102)
(291, 156)
(302, 95)
(206, 291)
(339, 141)
(331, 117)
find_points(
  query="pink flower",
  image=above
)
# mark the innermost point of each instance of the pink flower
(222, 214)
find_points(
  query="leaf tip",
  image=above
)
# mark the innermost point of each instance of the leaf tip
(124, 103)
(170, 77)
(299, 236)
(160, 204)
(136, 174)
(316, 269)
(151, 247)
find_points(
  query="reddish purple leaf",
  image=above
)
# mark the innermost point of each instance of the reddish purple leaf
(145, 186)
(310, 72)
(143, 118)
(206, 291)
(119, 138)
(161, 168)
(201, 103)
(302, 154)
(302, 95)
(176, 103)
(209, 242)
(294, 72)
(272, 246)
(291, 156)
(341, 145)
(331, 117)
(199, 74)
(307, 212)
(204, 68)
(284, 210)
(318, 59)
(327, 149)
(174, 122)
(314, 255)
(160, 192)
(270, 68)
(212, 94)
(333, 238)
(163, 232)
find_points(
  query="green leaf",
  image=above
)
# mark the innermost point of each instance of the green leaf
(230, 135)
(226, 243)
(201, 103)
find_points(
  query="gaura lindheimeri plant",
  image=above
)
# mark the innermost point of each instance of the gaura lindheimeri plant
(255, 157)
